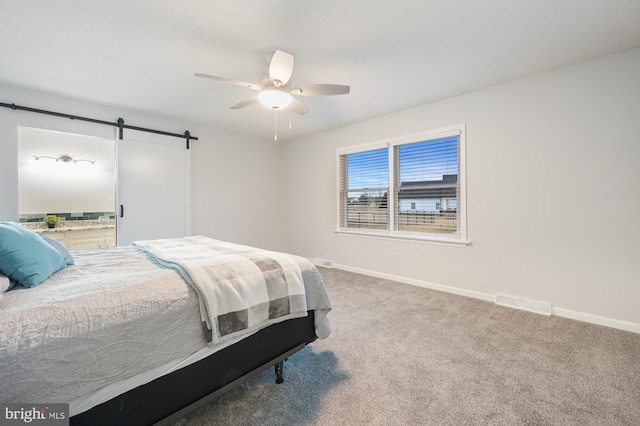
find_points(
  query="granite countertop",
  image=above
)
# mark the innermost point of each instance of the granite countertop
(80, 225)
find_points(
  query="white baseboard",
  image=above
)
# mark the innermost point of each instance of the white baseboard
(419, 283)
(596, 319)
(561, 312)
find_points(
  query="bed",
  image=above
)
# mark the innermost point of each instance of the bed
(125, 336)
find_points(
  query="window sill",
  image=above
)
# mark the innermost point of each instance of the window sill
(416, 238)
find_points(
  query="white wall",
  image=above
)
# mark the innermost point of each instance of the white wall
(553, 193)
(235, 184)
(237, 190)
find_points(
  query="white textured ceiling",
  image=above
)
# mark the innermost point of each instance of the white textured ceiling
(142, 54)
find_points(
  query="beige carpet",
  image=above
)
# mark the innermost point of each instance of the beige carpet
(403, 355)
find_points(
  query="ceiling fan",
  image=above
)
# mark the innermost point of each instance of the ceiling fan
(275, 93)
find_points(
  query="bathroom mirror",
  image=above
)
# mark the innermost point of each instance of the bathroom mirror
(72, 177)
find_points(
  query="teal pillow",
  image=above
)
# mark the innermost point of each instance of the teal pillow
(25, 257)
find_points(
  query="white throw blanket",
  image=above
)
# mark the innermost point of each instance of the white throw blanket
(240, 288)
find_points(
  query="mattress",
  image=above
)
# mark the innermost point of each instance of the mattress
(110, 322)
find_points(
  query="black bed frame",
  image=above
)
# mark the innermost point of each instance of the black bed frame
(170, 397)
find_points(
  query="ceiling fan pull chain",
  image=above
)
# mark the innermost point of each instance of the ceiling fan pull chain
(275, 125)
(289, 117)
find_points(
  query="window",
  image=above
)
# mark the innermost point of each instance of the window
(409, 187)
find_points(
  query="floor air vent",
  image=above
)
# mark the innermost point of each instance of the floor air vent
(534, 306)
(323, 262)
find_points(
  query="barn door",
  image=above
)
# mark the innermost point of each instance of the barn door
(154, 187)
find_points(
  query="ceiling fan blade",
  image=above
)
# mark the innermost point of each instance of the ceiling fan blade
(230, 81)
(298, 107)
(245, 103)
(281, 68)
(320, 90)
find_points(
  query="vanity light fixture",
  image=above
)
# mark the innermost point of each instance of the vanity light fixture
(64, 159)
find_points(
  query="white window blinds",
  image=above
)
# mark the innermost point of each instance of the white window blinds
(364, 189)
(426, 186)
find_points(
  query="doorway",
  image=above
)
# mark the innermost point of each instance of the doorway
(69, 180)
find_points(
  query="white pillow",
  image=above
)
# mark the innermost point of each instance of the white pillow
(5, 284)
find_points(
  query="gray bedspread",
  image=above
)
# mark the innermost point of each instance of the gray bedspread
(240, 288)
(112, 315)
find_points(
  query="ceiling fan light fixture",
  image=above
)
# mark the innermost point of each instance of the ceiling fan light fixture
(275, 98)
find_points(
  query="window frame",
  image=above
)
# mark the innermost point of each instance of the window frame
(459, 239)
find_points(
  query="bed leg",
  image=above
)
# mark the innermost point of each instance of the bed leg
(279, 367)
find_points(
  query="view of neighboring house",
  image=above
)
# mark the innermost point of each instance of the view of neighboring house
(432, 196)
